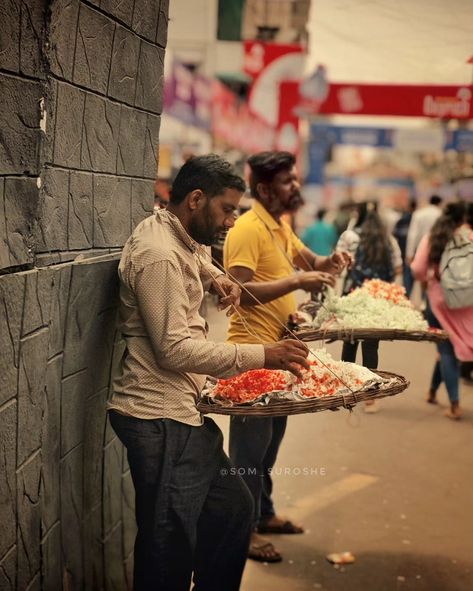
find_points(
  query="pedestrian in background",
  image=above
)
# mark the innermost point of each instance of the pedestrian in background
(400, 232)
(421, 223)
(376, 256)
(321, 236)
(455, 221)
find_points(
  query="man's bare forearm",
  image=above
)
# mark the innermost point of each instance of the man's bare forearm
(267, 291)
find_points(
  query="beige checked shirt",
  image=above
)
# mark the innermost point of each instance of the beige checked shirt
(167, 357)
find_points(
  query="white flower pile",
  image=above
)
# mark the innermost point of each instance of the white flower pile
(375, 305)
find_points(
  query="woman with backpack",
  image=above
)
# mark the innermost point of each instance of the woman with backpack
(376, 255)
(444, 259)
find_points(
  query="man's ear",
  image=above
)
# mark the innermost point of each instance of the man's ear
(195, 199)
(262, 190)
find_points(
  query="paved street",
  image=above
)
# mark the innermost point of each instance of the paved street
(394, 488)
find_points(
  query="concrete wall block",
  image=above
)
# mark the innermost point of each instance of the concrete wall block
(54, 197)
(149, 86)
(128, 514)
(10, 35)
(95, 421)
(31, 386)
(8, 500)
(94, 290)
(69, 118)
(100, 363)
(145, 18)
(4, 250)
(121, 9)
(142, 200)
(128, 566)
(100, 137)
(125, 55)
(19, 122)
(114, 567)
(21, 214)
(72, 530)
(29, 521)
(162, 32)
(131, 142)
(81, 220)
(93, 49)
(8, 571)
(75, 389)
(58, 309)
(36, 311)
(35, 584)
(33, 21)
(12, 289)
(48, 105)
(50, 450)
(93, 551)
(62, 37)
(151, 147)
(51, 559)
(109, 435)
(112, 210)
(112, 508)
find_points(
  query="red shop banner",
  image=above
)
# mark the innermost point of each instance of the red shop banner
(259, 54)
(268, 64)
(444, 102)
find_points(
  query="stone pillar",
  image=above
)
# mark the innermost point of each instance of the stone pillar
(80, 103)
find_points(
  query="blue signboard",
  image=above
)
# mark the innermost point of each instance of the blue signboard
(324, 137)
(352, 136)
(460, 140)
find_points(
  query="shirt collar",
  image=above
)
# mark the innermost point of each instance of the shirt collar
(177, 228)
(265, 216)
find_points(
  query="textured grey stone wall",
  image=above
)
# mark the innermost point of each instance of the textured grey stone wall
(80, 103)
(66, 499)
(81, 94)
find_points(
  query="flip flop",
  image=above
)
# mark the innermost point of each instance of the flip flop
(259, 552)
(287, 527)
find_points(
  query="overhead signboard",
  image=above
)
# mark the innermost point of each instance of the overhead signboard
(443, 102)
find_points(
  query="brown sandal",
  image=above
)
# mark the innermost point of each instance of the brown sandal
(264, 552)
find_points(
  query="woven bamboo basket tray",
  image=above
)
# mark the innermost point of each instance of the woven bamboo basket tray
(282, 408)
(359, 334)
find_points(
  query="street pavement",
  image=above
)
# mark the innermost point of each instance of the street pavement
(394, 488)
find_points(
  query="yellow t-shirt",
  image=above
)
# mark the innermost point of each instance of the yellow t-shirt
(258, 242)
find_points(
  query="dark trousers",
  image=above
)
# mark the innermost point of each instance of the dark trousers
(407, 278)
(193, 512)
(369, 350)
(446, 369)
(254, 446)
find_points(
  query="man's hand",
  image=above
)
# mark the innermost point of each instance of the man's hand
(314, 281)
(336, 262)
(228, 292)
(288, 354)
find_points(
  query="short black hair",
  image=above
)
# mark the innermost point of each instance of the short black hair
(265, 166)
(211, 174)
(321, 214)
(435, 200)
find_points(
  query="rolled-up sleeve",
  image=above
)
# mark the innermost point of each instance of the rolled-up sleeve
(164, 304)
